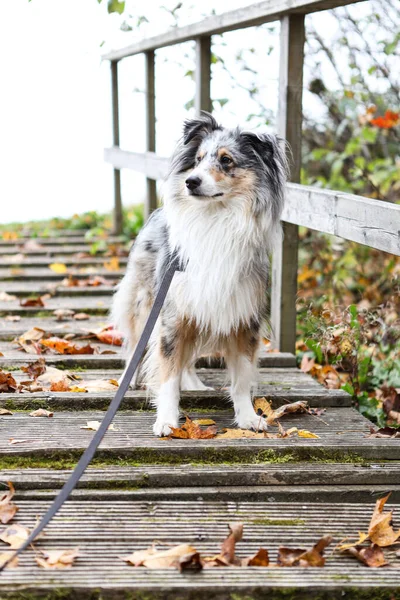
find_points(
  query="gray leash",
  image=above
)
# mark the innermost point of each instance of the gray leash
(112, 409)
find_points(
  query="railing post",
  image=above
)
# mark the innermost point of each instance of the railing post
(285, 258)
(203, 74)
(151, 198)
(117, 214)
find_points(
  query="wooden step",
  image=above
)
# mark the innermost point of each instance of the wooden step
(68, 261)
(244, 476)
(47, 250)
(25, 288)
(343, 436)
(10, 330)
(96, 305)
(106, 532)
(71, 238)
(40, 274)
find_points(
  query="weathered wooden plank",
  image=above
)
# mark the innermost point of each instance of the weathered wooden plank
(37, 273)
(364, 220)
(69, 261)
(63, 239)
(159, 477)
(24, 288)
(6, 251)
(151, 197)
(202, 99)
(343, 437)
(248, 16)
(285, 255)
(10, 330)
(356, 218)
(117, 214)
(78, 304)
(149, 163)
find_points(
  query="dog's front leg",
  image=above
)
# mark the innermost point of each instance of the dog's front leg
(173, 356)
(241, 360)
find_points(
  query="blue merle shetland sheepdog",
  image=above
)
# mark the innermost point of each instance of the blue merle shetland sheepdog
(223, 199)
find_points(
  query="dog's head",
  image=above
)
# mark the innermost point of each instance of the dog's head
(221, 164)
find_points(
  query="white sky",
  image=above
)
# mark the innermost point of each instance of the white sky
(55, 102)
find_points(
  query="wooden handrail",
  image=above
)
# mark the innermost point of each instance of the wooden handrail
(249, 16)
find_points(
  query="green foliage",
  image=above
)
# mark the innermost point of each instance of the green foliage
(133, 220)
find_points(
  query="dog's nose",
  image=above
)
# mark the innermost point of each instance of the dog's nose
(193, 182)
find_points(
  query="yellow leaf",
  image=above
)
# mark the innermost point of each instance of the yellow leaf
(263, 407)
(361, 538)
(113, 264)
(77, 389)
(204, 422)
(233, 434)
(58, 267)
(306, 434)
(9, 236)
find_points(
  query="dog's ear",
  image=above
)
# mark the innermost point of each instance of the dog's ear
(271, 149)
(196, 129)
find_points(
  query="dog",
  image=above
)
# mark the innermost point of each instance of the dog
(222, 203)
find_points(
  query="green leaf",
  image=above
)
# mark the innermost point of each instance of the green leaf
(116, 6)
(316, 348)
(369, 134)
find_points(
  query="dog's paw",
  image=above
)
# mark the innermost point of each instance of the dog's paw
(162, 426)
(251, 421)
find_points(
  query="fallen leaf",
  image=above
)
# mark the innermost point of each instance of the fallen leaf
(380, 529)
(35, 369)
(94, 426)
(164, 559)
(384, 432)
(303, 433)
(76, 389)
(4, 411)
(4, 556)
(361, 539)
(260, 559)
(32, 301)
(298, 557)
(81, 316)
(41, 412)
(29, 340)
(204, 421)
(192, 431)
(229, 544)
(62, 314)
(7, 383)
(190, 562)
(307, 363)
(60, 386)
(233, 434)
(113, 264)
(285, 409)
(53, 376)
(12, 441)
(99, 385)
(60, 346)
(58, 268)
(7, 508)
(14, 535)
(57, 559)
(13, 318)
(372, 556)
(263, 407)
(4, 297)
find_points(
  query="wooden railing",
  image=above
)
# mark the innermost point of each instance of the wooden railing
(371, 222)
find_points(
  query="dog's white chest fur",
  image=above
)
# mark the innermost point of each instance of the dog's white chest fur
(218, 289)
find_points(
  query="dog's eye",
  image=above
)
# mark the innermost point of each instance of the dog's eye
(226, 160)
(198, 158)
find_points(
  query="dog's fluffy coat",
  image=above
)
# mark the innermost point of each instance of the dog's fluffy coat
(221, 216)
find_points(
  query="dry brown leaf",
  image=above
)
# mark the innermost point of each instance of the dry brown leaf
(164, 559)
(227, 555)
(7, 383)
(99, 385)
(29, 341)
(7, 508)
(384, 432)
(4, 297)
(380, 529)
(297, 557)
(41, 412)
(53, 376)
(233, 434)
(4, 411)
(113, 264)
(57, 559)
(32, 301)
(307, 363)
(372, 556)
(260, 559)
(60, 386)
(60, 346)
(4, 556)
(35, 369)
(191, 431)
(62, 314)
(94, 426)
(264, 409)
(76, 389)
(81, 316)
(12, 318)
(14, 535)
